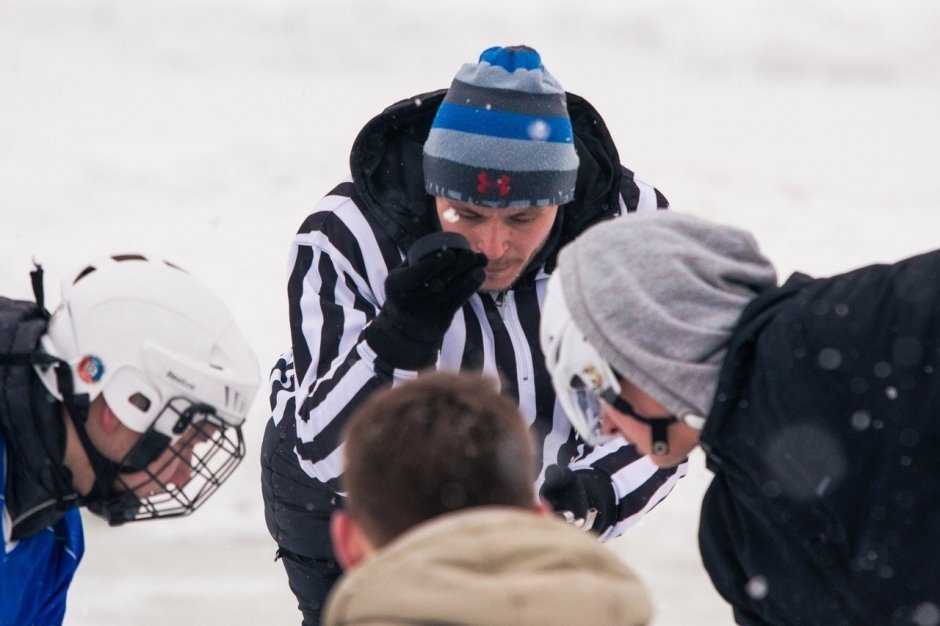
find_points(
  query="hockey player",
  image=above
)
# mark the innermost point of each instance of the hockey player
(817, 404)
(462, 540)
(127, 400)
(480, 185)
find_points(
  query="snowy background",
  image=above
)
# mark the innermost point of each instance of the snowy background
(205, 130)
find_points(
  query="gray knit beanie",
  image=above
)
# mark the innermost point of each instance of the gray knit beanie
(502, 136)
(658, 295)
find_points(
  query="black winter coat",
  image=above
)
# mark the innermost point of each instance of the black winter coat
(38, 489)
(825, 442)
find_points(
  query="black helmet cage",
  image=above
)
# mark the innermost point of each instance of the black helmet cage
(208, 445)
(208, 449)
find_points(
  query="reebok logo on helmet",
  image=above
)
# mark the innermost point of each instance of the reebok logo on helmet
(179, 380)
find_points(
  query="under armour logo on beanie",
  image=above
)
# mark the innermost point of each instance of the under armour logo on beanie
(502, 136)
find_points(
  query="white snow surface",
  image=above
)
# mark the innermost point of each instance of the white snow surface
(205, 130)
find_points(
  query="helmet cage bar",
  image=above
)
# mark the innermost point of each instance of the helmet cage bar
(210, 450)
(172, 422)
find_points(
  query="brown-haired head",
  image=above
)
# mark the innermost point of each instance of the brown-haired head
(437, 444)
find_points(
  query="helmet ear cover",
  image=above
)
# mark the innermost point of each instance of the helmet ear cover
(133, 397)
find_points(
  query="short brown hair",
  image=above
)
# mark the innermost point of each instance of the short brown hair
(440, 443)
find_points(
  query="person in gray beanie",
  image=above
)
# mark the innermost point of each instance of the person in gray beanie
(435, 255)
(815, 402)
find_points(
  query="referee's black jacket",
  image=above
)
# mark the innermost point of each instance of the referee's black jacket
(336, 272)
(825, 443)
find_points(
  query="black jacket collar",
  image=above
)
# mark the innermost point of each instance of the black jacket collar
(38, 487)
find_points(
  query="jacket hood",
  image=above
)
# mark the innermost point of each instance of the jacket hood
(494, 566)
(386, 166)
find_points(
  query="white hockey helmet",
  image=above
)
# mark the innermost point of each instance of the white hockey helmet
(580, 375)
(165, 353)
(141, 331)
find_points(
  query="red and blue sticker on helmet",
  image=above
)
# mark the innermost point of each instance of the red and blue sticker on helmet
(90, 369)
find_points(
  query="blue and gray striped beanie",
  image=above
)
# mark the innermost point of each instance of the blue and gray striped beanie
(502, 136)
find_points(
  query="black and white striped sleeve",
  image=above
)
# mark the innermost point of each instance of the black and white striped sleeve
(637, 195)
(639, 485)
(336, 275)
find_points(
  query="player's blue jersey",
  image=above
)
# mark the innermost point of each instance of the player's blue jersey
(35, 573)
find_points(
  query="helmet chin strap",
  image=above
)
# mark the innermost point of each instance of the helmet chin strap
(659, 426)
(659, 433)
(100, 500)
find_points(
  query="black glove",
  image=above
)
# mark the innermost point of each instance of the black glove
(421, 297)
(583, 497)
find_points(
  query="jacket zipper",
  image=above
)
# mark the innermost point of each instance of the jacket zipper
(511, 322)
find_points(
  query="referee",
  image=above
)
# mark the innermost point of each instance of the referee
(435, 255)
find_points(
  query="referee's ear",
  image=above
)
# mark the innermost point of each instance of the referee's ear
(350, 543)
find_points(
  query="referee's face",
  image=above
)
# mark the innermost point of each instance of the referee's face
(509, 238)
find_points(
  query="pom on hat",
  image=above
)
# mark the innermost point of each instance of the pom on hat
(502, 136)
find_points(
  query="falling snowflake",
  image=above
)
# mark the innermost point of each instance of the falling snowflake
(451, 216)
(829, 358)
(757, 587)
(538, 130)
(861, 420)
(909, 437)
(858, 385)
(926, 614)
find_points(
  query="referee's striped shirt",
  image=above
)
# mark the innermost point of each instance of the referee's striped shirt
(336, 274)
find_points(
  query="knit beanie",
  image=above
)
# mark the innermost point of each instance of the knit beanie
(502, 136)
(658, 295)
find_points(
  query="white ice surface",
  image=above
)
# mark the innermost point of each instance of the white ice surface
(205, 130)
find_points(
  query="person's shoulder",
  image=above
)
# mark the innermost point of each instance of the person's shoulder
(637, 195)
(913, 279)
(339, 205)
(535, 559)
(15, 312)
(341, 228)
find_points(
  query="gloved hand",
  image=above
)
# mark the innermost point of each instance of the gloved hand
(421, 297)
(584, 497)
